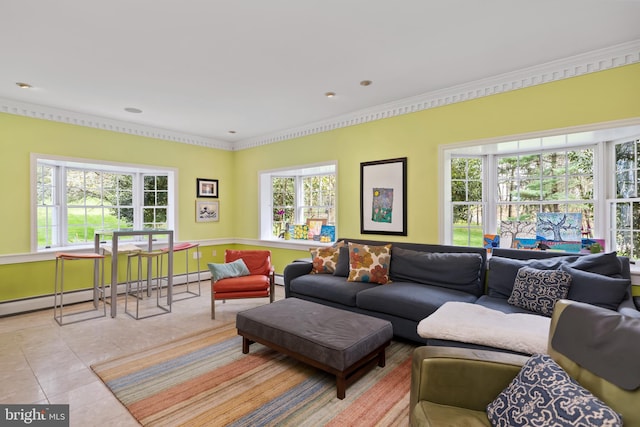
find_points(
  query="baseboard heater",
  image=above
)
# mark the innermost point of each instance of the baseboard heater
(26, 305)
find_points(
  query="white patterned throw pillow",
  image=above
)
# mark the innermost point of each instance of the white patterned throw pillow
(543, 394)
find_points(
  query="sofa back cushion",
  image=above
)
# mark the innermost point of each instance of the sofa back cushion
(342, 266)
(460, 271)
(596, 289)
(503, 271)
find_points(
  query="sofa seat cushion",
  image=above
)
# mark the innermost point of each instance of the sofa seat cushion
(500, 304)
(408, 300)
(427, 413)
(329, 288)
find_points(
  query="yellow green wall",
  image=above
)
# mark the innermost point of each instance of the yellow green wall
(21, 136)
(597, 97)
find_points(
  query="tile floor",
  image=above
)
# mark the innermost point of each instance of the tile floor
(42, 362)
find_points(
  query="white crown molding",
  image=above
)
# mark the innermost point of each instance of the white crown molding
(590, 62)
(36, 111)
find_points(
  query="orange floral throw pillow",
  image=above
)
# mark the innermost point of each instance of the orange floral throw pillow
(325, 258)
(369, 263)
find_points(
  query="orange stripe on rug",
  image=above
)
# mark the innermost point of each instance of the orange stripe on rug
(215, 384)
(254, 397)
(385, 393)
(125, 365)
(143, 408)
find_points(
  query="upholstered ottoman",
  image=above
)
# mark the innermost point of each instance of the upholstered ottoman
(340, 342)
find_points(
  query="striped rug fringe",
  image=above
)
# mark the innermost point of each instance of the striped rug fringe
(204, 379)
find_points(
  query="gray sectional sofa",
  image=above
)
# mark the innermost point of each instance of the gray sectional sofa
(425, 276)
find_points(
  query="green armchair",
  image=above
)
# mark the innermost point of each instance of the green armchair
(453, 386)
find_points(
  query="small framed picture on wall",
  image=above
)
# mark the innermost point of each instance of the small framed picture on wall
(207, 188)
(207, 211)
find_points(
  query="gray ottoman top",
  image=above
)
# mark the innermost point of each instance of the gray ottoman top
(337, 338)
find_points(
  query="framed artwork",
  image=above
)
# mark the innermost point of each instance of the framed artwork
(315, 225)
(383, 197)
(561, 227)
(207, 188)
(512, 231)
(207, 211)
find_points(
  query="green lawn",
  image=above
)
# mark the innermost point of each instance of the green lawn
(468, 237)
(77, 232)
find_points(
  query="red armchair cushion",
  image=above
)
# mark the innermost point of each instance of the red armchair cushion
(242, 284)
(257, 261)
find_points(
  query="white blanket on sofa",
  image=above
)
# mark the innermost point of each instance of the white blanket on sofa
(472, 323)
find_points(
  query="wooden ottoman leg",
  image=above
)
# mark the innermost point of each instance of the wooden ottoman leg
(246, 342)
(341, 386)
(382, 361)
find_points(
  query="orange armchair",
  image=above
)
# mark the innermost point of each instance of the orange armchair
(258, 284)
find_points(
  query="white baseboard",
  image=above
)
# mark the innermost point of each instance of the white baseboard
(40, 303)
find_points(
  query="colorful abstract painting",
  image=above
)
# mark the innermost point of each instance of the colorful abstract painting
(329, 232)
(491, 241)
(382, 205)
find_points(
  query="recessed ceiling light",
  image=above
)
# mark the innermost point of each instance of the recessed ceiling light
(330, 94)
(133, 110)
(24, 85)
(365, 82)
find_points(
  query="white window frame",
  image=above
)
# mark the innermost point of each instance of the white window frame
(602, 136)
(266, 199)
(139, 171)
(482, 203)
(612, 199)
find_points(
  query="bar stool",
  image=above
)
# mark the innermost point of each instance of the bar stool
(138, 292)
(98, 288)
(186, 247)
(125, 249)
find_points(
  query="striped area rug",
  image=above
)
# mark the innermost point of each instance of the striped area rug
(204, 379)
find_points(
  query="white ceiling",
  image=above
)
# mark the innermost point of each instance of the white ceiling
(260, 67)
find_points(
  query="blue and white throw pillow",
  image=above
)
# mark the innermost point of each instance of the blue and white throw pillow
(543, 394)
(538, 290)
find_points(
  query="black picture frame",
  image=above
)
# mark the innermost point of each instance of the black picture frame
(383, 197)
(207, 188)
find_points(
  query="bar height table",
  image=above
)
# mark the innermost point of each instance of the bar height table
(116, 234)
